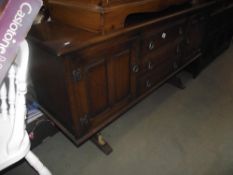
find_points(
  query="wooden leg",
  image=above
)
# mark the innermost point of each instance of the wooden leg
(195, 68)
(177, 82)
(102, 144)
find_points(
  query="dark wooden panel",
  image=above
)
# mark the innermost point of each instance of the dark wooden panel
(97, 86)
(119, 75)
(193, 42)
(219, 32)
(48, 75)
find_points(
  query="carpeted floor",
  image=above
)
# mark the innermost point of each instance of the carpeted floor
(172, 132)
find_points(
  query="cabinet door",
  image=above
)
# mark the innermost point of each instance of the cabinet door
(194, 37)
(119, 76)
(104, 82)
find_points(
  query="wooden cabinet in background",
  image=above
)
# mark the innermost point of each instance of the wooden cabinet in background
(103, 16)
(219, 31)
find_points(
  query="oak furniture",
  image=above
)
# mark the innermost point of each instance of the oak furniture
(86, 80)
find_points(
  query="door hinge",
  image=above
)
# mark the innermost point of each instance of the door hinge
(84, 121)
(77, 75)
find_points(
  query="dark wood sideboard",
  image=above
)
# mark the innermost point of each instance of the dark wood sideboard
(86, 80)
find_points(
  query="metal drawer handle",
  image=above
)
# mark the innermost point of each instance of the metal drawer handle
(150, 65)
(135, 68)
(151, 45)
(148, 84)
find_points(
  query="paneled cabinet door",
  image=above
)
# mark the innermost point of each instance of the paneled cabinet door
(103, 83)
(194, 36)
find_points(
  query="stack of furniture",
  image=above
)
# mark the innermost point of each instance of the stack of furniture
(96, 59)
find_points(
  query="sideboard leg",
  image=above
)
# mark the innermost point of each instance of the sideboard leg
(102, 144)
(177, 82)
(195, 68)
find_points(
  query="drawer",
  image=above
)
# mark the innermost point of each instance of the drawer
(156, 38)
(157, 75)
(166, 53)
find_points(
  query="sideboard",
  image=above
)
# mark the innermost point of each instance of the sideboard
(86, 80)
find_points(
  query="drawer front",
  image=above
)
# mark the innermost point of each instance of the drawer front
(166, 53)
(156, 38)
(157, 75)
